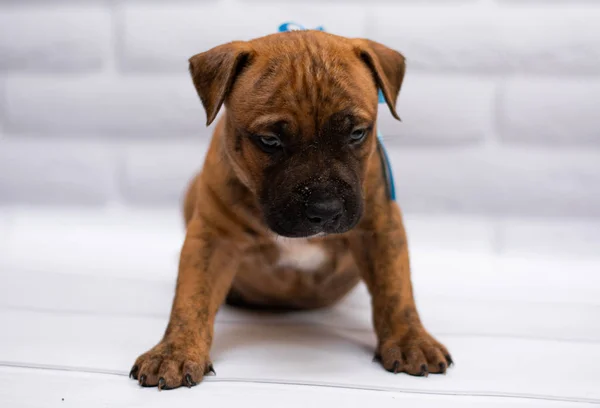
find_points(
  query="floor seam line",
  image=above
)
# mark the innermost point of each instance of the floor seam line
(320, 384)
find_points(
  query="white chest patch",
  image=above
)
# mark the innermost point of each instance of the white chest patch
(300, 254)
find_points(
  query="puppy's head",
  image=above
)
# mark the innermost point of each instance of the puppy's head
(301, 121)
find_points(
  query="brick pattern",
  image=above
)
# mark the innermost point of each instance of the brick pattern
(159, 174)
(103, 106)
(55, 172)
(553, 110)
(440, 110)
(499, 108)
(54, 39)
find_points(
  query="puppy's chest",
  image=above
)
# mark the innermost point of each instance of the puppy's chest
(301, 254)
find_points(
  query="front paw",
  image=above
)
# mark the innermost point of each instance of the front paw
(416, 353)
(170, 365)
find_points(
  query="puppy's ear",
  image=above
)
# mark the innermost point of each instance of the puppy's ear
(388, 68)
(214, 73)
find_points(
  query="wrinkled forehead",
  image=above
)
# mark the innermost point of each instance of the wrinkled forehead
(307, 78)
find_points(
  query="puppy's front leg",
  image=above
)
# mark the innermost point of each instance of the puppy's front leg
(206, 271)
(382, 256)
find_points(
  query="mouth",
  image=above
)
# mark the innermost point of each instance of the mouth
(304, 228)
(287, 237)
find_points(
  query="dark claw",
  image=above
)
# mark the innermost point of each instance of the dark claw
(376, 358)
(424, 372)
(143, 380)
(188, 381)
(449, 360)
(442, 368)
(211, 369)
(161, 384)
(134, 371)
(396, 367)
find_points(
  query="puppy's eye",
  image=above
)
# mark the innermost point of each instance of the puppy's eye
(269, 144)
(271, 141)
(358, 135)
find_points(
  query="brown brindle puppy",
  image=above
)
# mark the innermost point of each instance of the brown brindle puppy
(292, 207)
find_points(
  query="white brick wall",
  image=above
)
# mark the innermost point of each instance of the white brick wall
(106, 106)
(159, 173)
(161, 37)
(550, 110)
(500, 181)
(500, 104)
(55, 39)
(485, 37)
(56, 172)
(439, 109)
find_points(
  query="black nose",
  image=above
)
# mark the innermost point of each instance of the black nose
(323, 210)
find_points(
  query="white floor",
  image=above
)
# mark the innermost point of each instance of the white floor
(83, 293)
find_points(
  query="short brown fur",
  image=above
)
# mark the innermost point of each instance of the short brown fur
(229, 251)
